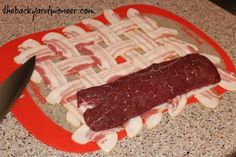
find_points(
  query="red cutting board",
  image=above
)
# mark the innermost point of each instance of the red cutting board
(41, 126)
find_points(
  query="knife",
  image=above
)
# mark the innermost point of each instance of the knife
(13, 86)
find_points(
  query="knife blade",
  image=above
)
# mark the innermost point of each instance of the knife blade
(13, 86)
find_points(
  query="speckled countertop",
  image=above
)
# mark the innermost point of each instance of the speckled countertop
(196, 132)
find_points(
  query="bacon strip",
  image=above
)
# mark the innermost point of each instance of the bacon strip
(181, 47)
(60, 45)
(200, 90)
(119, 70)
(25, 46)
(208, 98)
(162, 32)
(105, 138)
(90, 78)
(160, 54)
(35, 89)
(72, 119)
(108, 36)
(111, 16)
(137, 59)
(133, 126)
(51, 75)
(228, 80)
(76, 111)
(63, 93)
(177, 105)
(119, 25)
(73, 31)
(123, 26)
(72, 66)
(41, 52)
(142, 40)
(108, 142)
(121, 47)
(85, 38)
(165, 57)
(152, 117)
(28, 44)
(190, 47)
(145, 23)
(36, 77)
(104, 57)
(214, 59)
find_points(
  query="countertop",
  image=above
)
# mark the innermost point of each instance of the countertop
(198, 131)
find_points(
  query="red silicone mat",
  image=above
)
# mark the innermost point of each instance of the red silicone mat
(41, 126)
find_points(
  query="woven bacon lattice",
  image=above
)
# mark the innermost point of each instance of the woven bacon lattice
(78, 59)
(91, 55)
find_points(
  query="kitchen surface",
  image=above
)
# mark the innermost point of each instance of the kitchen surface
(197, 131)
